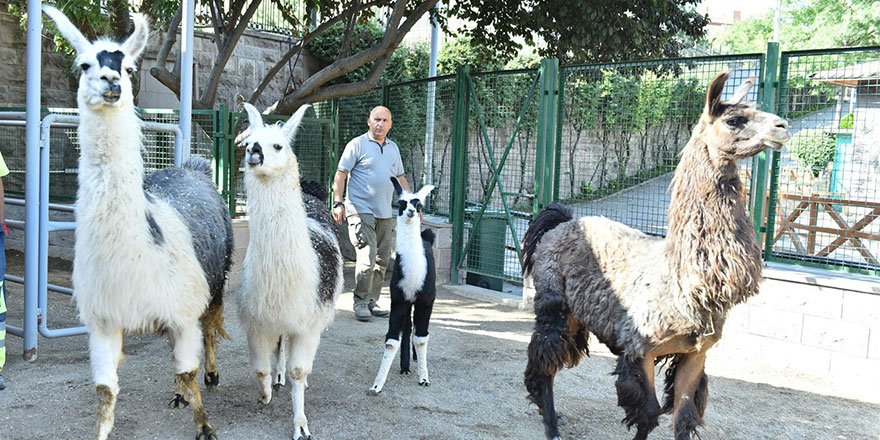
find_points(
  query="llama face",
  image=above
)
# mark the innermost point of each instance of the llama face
(410, 204)
(268, 149)
(737, 130)
(106, 67)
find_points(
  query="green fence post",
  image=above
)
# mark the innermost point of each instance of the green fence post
(548, 120)
(334, 145)
(458, 175)
(222, 161)
(759, 163)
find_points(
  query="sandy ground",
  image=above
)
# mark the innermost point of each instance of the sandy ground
(477, 354)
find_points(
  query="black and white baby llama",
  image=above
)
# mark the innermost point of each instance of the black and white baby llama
(412, 288)
(152, 253)
(292, 271)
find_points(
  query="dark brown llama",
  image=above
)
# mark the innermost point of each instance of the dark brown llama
(650, 299)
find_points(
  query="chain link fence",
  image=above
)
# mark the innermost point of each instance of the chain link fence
(827, 193)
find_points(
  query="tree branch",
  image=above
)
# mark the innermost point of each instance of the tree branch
(270, 75)
(206, 100)
(311, 91)
(160, 71)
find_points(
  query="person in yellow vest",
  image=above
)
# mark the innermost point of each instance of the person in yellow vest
(3, 172)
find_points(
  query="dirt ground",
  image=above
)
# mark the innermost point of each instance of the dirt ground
(476, 357)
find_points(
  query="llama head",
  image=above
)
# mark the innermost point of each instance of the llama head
(409, 204)
(735, 129)
(268, 148)
(106, 67)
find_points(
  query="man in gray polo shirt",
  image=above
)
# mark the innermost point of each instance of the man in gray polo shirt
(366, 165)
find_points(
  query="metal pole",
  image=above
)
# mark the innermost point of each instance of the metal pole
(186, 80)
(32, 179)
(429, 116)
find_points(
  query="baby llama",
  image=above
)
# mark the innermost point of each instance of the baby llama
(412, 288)
(152, 253)
(292, 271)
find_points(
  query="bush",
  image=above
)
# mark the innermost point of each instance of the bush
(814, 150)
(847, 121)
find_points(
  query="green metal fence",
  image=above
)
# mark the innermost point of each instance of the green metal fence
(826, 184)
(603, 139)
(623, 126)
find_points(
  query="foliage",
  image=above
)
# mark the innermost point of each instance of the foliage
(815, 24)
(464, 51)
(326, 46)
(847, 121)
(813, 150)
(594, 31)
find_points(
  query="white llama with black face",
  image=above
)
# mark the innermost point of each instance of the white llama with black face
(152, 253)
(412, 288)
(293, 267)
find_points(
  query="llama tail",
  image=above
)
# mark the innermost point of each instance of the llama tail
(200, 165)
(551, 217)
(313, 189)
(428, 235)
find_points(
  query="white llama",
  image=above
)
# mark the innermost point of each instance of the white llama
(151, 254)
(292, 271)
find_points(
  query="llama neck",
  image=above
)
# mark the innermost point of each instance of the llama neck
(111, 169)
(277, 213)
(409, 239)
(711, 245)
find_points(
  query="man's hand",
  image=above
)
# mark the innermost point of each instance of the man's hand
(339, 213)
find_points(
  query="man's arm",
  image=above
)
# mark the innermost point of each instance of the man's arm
(338, 190)
(402, 179)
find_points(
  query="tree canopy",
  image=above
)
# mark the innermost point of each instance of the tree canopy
(816, 24)
(595, 31)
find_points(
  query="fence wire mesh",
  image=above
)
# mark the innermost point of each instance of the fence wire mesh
(424, 135)
(828, 179)
(502, 189)
(158, 152)
(623, 126)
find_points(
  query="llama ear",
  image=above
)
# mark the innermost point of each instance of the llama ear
(714, 105)
(398, 190)
(137, 41)
(425, 191)
(255, 119)
(292, 125)
(73, 36)
(742, 91)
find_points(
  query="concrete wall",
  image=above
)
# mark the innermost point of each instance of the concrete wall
(821, 326)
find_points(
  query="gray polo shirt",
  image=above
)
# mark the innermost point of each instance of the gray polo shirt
(369, 166)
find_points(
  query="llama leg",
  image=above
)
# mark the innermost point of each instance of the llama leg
(421, 318)
(279, 374)
(302, 355)
(405, 338)
(635, 394)
(421, 346)
(212, 328)
(391, 347)
(105, 351)
(187, 351)
(557, 341)
(260, 349)
(687, 392)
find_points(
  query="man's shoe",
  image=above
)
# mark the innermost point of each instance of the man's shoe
(2, 383)
(362, 313)
(377, 312)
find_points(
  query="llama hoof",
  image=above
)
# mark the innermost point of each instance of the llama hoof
(424, 383)
(374, 391)
(178, 401)
(206, 433)
(302, 434)
(212, 380)
(405, 372)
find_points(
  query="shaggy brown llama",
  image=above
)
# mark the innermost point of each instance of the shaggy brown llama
(651, 299)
